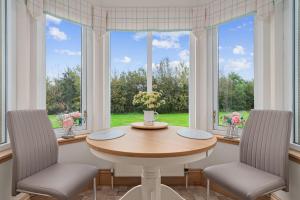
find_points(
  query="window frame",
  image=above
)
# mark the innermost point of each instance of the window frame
(149, 72)
(295, 37)
(4, 142)
(215, 63)
(84, 79)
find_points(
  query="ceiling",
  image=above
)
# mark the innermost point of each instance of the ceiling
(147, 3)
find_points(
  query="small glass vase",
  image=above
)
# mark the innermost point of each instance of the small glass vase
(232, 132)
(69, 133)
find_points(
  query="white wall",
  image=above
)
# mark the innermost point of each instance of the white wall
(5, 180)
(294, 193)
(79, 152)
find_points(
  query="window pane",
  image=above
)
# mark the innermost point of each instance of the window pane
(128, 59)
(2, 74)
(236, 72)
(63, 69)
(171, 75)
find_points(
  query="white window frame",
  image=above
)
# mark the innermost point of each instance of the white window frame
(4, 137)
(296, 75)
(215, 63)
(83, 91)
(149, 72)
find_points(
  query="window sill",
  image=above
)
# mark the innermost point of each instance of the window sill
(6, 155)
(221, 138)
(78, 138)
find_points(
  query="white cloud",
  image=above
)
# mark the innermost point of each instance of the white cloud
(237, 64)
(165, 40)
(126, 60)
(238, 50)
(168, 40)
(251, 54)
(67, 52)
(165, 44)
(51, 19)
(184, 55)
(139, 35)
(221, 60)
(171, 35)
(57, 34)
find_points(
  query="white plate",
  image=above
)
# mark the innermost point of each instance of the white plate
(106, 134)
(194, 134)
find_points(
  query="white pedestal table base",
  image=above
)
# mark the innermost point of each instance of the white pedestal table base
(151, 188)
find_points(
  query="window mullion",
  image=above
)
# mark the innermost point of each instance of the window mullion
(149, 62)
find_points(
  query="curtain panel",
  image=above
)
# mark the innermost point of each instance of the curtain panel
(151, 19)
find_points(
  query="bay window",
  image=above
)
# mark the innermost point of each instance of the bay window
(65, 71)
(149, 61)
(234, 74)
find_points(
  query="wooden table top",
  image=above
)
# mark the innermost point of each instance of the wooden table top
(152, 144)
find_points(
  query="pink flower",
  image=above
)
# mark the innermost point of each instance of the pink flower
(235, 119)
(67, 123)
(76, 115)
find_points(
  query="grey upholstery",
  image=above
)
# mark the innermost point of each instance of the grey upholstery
(59, 180)
(263, 165)
(35, 156)
(243, 180)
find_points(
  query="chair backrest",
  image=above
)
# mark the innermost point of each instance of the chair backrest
(33, 143)
(265, 141)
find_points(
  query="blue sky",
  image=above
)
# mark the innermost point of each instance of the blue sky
(236, 41)
(63, 45)
(129, 49)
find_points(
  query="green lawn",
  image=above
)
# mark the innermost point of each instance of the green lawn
(54, 121)
(175, 119)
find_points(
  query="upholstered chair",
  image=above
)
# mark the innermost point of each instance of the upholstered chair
(35, 159)
(263, 164)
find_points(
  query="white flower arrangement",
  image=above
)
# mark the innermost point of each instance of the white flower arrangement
(149, 100)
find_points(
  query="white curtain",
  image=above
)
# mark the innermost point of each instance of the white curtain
(29, 68)
(220, 11)
(35, 7)
(99, 21)
(273, 71)
(151, 19)
(75, 10)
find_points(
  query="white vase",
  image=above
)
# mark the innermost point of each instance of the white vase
(149, 117)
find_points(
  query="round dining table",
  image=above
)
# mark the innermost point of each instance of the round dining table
(152, 149)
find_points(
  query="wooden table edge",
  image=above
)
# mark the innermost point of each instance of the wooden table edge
(152, 155)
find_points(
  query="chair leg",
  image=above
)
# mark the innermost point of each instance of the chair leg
(95, 188)
(207, 189)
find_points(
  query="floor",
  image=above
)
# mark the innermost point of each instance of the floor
(106, 193)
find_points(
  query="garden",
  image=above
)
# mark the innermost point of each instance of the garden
(64, 95)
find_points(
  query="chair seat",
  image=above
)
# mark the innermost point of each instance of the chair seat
(60, 181)
(245, 181)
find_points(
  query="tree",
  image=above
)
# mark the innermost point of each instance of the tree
(235, 93)
(63, 93)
